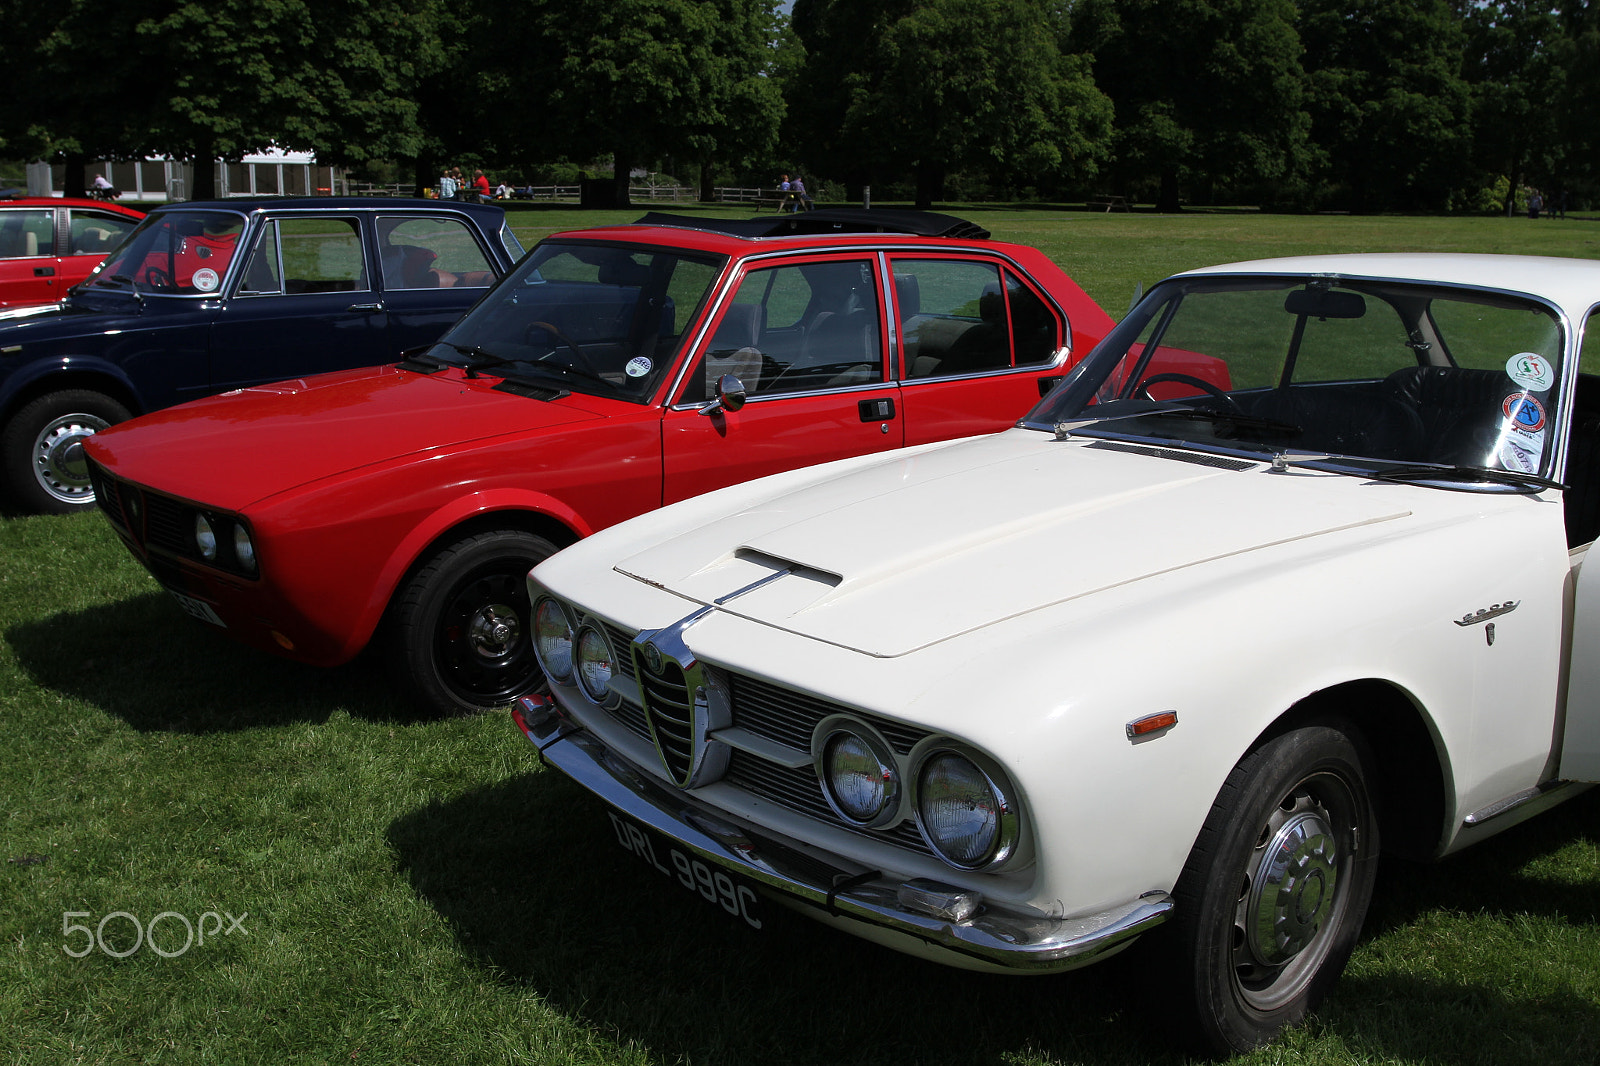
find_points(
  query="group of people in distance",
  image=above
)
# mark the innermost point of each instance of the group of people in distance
(795, 197)
(453, 187)
(1557, 204)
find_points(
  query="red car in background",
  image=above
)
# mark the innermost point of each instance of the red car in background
(49, 244)
(613, 371)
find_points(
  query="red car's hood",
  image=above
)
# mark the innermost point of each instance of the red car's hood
(231, 450)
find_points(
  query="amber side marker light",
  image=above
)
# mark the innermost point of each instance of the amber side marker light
(283, 642)
(1151, 723)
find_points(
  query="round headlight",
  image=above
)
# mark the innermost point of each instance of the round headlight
(205, 538)
(594, 663)
(963, 813)
(244, 548)
(552, 640)
(860, 777)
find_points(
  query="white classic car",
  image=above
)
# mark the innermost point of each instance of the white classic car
(1164, 653)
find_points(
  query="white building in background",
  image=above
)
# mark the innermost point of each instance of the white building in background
(270, 173)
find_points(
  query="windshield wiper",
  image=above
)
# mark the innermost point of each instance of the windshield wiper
(133, 286)
(1447, 471)
(1237, 418)
(1193, 414)
(486, 359)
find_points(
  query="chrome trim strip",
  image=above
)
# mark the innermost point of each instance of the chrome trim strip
(1483, 614)
(1009, 940)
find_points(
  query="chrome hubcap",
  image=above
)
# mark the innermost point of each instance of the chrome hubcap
(1292, 891)
(58, 459)
(494, 631)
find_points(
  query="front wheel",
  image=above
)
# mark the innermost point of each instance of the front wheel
(461, 623)
(1271, 900)
(42, 449)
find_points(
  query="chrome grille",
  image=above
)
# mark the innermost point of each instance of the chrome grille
(768, 710)
(669, 711)
(620, 639)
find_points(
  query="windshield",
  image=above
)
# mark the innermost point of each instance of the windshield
(1367, 370)
(183, 253)
(605, 319)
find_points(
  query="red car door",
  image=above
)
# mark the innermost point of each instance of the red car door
(805, 338)
(978, 345)
(29, 266)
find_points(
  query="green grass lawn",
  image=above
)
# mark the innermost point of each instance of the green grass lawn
(418, 891)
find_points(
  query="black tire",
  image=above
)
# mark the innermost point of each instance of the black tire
(1271, 900)
(460, 623)
(41, 449)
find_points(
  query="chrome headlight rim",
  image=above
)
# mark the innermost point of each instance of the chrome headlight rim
(590, 628)
(835, 729)
(1007, 836)
(553, 668)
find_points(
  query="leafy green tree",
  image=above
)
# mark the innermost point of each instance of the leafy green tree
(947, 84)
(202, 81)
(1387, 99)
(1518, 58)
(633, 79)
(1207, 92)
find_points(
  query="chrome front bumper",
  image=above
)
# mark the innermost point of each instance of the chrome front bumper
(989, 939)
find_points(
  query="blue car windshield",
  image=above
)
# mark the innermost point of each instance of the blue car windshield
(605, 319)
(178, 253)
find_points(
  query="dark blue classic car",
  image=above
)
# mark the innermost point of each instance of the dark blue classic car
(206, 297)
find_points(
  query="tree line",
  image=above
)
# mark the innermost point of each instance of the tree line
(1361, 105)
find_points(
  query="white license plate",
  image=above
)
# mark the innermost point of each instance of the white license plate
(712, 884)
(198, 608)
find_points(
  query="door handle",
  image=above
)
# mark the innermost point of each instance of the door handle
(365, 307)
(44, 272)
(876, 410)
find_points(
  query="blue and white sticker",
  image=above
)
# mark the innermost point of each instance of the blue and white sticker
(205, 279)
(1532, 372)
(638, 366)
(1521, 443)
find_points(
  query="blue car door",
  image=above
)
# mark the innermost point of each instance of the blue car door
(431, 268)
(304, 302)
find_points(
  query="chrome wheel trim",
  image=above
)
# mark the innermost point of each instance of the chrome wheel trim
(1293, 896)
(59, 464)
(494, 631)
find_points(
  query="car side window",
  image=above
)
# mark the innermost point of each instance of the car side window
(96, 234)
(1589, 354)
(431, 253)
(27, 232)
(306, 255)
(796, 328)
(966, 316)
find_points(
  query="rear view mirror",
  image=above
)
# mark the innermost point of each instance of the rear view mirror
(1325, 303)
(730, 396)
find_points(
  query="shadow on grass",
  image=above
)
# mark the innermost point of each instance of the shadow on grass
(144, 661)
(1493, 877)
(530, 879)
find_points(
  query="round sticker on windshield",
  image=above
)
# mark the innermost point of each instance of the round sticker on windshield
(1531, 371)
(205, 279)
(638, 366)
(1523, 411)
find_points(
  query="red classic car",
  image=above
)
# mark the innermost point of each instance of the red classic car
(613, 371)
(49, 244)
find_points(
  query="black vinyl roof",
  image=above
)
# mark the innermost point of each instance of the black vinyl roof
(829, 220)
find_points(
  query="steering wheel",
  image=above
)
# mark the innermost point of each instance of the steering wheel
(1189, 379)
(158, 278)
(568, 342)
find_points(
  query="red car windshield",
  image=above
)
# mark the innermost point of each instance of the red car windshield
(605, 319)
(182, 253)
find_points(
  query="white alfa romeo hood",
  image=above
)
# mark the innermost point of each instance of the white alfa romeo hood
(901, 554)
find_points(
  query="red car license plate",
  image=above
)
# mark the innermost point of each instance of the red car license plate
(711, 883)
(197, 608)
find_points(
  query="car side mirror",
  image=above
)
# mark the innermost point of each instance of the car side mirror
(730, 395)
